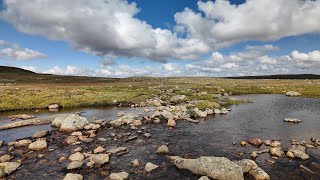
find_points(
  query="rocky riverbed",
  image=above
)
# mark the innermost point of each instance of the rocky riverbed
(152, 143)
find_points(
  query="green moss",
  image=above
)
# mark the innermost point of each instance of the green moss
(202, 105)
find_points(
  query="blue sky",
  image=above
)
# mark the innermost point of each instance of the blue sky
(120, 38)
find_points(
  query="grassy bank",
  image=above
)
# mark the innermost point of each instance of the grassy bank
(29, 93)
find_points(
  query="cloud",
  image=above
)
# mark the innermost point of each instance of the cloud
(169, 67)
(2, 42)
(107, 62)
(14, 51)
(313, 56)
(100, 27)
(254, 60)
(220, 23)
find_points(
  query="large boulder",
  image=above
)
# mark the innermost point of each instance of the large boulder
(69, 122)
(213, 167)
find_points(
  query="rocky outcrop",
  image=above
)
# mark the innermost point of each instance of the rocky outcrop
(213, 167)
(69, 122)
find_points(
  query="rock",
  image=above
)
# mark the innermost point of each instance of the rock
(61, 159)
(78, 156)
(22, 143)
(267, 142)
(119, 176)
(137, 123)
(310, 146)
(38, 145)
(40, 155)
(304, 168)
(275, 144)
(99, 149)
(213, 167)
(2, 173)
(9, 167)
(147, 135)
(203, 178)
(255, 142)
(76, 133)
(163, 149)
(39, 134)
(71, 139)
(171, 123)
(290, 154)
(54, 106)
(92, 126)
(130, 138)
(85, 139)
(276, 151)
(299, 152)
(246, 165)
(1, 143)
(243, 143)
(69, 122)
(135, 163)
(71, 176)
(291, 120)
(292, 93)
(78, 149)
(216, 111)
(150, 166)
(99, 159)
(191, 120)
(177, 98)
(259, 174)
(102, 139)
(21, 116)
(253, 154)
(74, 165)
(167, 115)
(224, 111)
(116, 150)
(5, 158)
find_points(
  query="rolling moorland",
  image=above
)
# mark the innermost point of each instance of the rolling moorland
(22, 89)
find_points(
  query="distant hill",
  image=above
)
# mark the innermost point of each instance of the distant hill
(280, 76)
(14, 70)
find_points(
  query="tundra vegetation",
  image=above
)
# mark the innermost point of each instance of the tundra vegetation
(28, 90)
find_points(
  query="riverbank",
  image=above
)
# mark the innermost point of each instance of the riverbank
(86, 92)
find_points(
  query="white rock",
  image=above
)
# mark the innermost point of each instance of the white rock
(69, 122)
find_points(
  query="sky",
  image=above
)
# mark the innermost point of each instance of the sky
(123, 38)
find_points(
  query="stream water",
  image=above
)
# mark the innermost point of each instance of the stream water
(217, 135)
